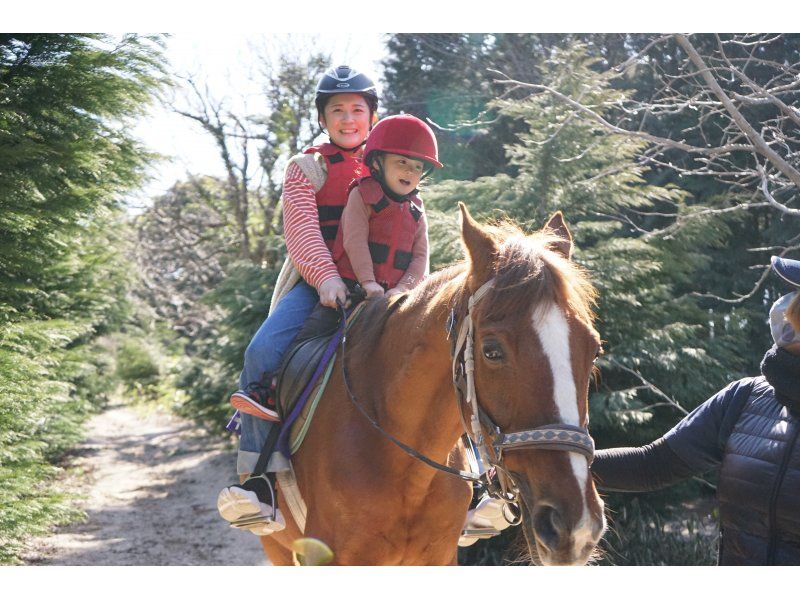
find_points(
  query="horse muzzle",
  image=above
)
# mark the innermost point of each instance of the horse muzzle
(555, 535)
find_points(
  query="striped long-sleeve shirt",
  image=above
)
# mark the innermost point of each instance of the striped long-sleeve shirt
(301, 229)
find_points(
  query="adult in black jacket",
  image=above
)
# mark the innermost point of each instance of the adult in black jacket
(749, 430)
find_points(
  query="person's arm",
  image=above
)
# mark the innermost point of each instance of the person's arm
(355, 236)
(639, 469)
(419, 259)
(694, 446)
(301, 230)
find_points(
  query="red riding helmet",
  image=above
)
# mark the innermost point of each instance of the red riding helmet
(405, 135)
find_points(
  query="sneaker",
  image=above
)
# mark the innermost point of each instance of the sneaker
(250, 506)
(489, 517)
(247, 404)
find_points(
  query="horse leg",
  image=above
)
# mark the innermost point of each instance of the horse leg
(276, 553)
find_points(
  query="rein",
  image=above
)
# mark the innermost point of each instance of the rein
(464, 475)
(557, 436)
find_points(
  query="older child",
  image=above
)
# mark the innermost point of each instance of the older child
(316, 186)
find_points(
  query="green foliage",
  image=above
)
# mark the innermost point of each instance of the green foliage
(438, 76)
(65, 107)
(444, 234)
(217, 357)
(137, 367)
(643, 532)
(66, 104)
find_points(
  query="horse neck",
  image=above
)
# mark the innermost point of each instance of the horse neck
(418, 404)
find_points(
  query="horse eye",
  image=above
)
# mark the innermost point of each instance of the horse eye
(492, 352)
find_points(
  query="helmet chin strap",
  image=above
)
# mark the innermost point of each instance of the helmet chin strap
(345, 149)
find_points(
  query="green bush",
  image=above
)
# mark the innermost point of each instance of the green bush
(137, 365)
(215, 358)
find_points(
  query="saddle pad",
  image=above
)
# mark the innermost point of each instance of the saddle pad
(296, 373)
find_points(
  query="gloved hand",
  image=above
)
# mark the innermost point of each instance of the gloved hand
(395, 291)
(331, 290)
(373, 289)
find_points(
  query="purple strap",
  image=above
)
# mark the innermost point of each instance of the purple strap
(283, 439)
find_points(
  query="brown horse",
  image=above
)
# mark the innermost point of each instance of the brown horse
(372, 503)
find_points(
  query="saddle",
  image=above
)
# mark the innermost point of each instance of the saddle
(311, 356)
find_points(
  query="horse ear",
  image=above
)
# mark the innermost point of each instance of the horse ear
(558, 227)
(480, 246)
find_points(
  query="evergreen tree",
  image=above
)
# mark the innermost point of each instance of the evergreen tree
(442, 77)
(66, 155)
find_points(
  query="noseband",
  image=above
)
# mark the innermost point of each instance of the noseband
(554, 437)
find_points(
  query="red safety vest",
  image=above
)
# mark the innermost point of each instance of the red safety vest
(343, 168)
(392, 228)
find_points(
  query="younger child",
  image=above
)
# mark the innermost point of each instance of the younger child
(383, 239)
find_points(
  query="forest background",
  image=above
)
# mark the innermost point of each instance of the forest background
(674, 159)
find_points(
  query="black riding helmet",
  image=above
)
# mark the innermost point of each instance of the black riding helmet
(343, 79)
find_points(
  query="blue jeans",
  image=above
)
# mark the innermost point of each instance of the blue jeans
(264, 355)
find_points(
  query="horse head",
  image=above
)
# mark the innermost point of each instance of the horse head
(534, 347)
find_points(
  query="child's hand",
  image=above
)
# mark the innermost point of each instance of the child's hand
(395, 291)
(373, 289)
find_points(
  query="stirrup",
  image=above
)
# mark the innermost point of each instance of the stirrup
(251, 509)
(490, 517)
(261, 525)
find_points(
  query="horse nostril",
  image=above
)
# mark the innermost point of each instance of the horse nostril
(549, 526)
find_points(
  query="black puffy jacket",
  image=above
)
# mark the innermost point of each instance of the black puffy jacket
(750, 431)
(759, 484)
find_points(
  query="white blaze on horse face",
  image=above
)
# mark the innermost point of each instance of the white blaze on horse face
(552, 329)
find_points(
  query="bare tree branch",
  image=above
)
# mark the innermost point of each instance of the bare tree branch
(648, 385)
(758, 142)
(620, 131)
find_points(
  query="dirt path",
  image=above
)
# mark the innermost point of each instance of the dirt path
(148, 484)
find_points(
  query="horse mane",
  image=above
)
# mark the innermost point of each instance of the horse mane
(527, 272)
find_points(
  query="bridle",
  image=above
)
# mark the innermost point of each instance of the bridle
(491, 446)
